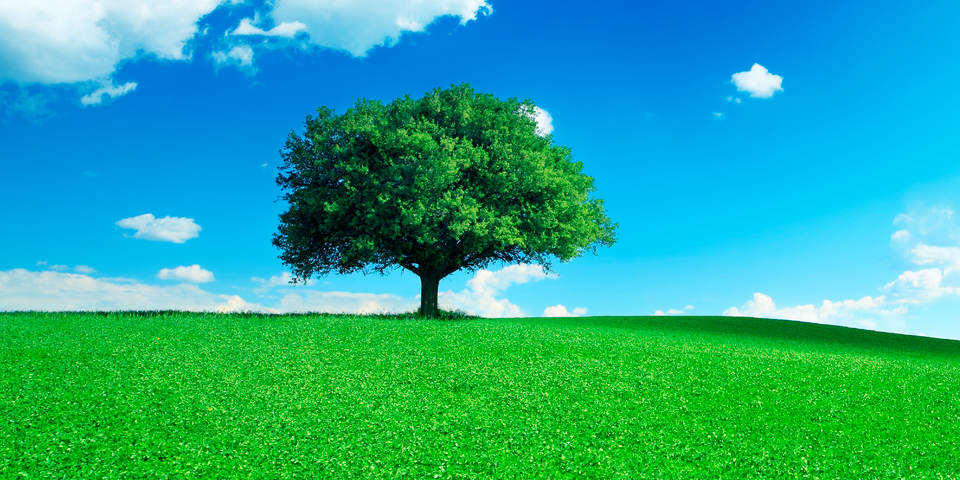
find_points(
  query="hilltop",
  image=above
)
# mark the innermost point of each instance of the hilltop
(86, 395)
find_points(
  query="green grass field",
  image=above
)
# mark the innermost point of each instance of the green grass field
(175, 395)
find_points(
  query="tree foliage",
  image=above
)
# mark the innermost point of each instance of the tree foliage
(453, 180)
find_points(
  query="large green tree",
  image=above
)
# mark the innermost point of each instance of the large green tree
(455, 180)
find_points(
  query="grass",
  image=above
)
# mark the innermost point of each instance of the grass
(175, 395)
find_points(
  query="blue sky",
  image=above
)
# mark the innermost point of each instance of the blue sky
(751, 200)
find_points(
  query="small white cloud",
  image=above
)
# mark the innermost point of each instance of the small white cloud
(240, 56)
(673, 311)
(757, 81)
(544, 121)
(542, 117)
(719, 115)
(110, 91)
(733, 99)
(276, 280)
(285, 29)
(285, 279)
(192, 273)
(84, 269)
(560, 310)
(902, 235)
(58, 268)
(166, 229)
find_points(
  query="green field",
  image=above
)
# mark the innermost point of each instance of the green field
(174, 395)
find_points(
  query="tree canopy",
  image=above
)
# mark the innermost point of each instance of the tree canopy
(453, 180)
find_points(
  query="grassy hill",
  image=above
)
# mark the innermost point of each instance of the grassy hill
(175, 395)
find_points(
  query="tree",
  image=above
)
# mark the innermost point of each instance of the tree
(455, 180)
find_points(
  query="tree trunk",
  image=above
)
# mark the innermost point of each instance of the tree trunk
(429, 285)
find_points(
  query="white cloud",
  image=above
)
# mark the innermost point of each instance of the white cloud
(83, 42)
(544, 121)
(236, 304)
(285, 29)
(282, 280)
(482, 295)
(112, 91)
(937, 220)
(542, 117)
(166, 229)
(674, 311)
(193, 273)
(900, 236)
(64, 268)
(920, 286)
(757, 81)
(840, 312)
(274, 281)
(68, 41)
(559, 310)
(719, 115)
(358, 26)
(50, 290)
(910, 288)
(56, 291)
(240, 55)
(948, 257)
(734, 99)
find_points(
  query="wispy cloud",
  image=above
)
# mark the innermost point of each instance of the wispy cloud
(239, 56)
(97, 96)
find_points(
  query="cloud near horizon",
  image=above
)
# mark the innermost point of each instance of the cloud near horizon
(22, 289)
(50, 290)
(559, 310)
(673, 311)
(940, 279)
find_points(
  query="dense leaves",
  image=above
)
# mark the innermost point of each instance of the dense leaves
(235, 396)
(453, 180)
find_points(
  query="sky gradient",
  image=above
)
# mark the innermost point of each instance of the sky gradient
(820, 187)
